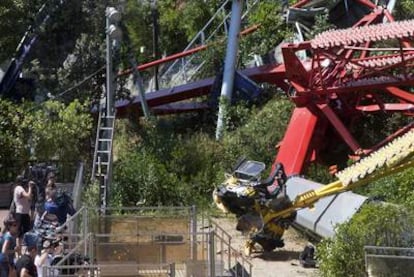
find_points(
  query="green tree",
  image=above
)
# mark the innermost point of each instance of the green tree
(272, 31)
(257, 136)
(52, 131)
(13, 139)
(404, 10)
(15, 16)
(59, 132)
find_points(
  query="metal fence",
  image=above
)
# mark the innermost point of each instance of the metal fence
(224, 258)
(389, 261)
(160, 241)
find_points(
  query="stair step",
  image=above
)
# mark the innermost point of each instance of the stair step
(102, 163)
(105, 140)
(103, 151)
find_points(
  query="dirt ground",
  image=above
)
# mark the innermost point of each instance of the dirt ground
(281, 262)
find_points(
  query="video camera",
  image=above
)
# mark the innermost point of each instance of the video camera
(40, 172)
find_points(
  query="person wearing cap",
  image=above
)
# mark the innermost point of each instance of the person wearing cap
(25, 264)
(22, 197)
(45, 258)
(8, 246)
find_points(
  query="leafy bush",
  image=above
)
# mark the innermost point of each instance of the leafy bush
(376, 225)
(397, 188)
(165, 162)
(258, 134)
(165, 167)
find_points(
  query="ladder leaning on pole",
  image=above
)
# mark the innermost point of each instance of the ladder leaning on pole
(102, 158)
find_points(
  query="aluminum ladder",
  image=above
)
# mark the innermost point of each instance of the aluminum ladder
(102, 158)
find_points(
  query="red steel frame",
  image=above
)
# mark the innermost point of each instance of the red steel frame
(345, 79)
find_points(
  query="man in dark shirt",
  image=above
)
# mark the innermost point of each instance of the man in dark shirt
(25, 264)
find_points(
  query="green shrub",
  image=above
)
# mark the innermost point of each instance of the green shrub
(260, 132)
(375, 225)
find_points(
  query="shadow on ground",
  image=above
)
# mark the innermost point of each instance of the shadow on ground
(279, 255)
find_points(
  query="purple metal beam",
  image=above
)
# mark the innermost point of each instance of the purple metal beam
(269, 73)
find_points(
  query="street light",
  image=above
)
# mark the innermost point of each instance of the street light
(113, 34)
(113, 15)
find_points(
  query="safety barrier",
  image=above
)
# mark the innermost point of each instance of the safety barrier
(389, 261)
(224, 259)
(150, 241)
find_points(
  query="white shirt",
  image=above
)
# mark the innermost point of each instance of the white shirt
(47, 262)
(22, 203)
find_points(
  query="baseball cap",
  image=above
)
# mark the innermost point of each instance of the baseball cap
(30, 239)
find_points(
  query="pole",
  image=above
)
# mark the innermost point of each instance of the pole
(109, 72)
(229, 65)
(155, 35)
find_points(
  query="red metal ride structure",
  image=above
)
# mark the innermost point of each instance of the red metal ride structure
(351, 73)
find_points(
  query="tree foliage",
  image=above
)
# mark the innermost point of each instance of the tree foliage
(13, 137)
(52, 131)
(164, 170)
(175, 20)
(15, 17)
(171, 164)
(404, 10)
(59, 132)
(272, 31)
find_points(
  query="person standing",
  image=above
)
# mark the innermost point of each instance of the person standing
(8, 246)
(22, 198)
(51, 189)
(25, 264)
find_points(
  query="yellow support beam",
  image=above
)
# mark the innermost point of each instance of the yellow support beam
(390, 159)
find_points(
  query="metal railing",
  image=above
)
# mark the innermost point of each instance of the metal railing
(389, 261)
(184, 69)
(233, 260)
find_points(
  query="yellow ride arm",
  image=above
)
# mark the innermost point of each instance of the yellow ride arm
(390, 159)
